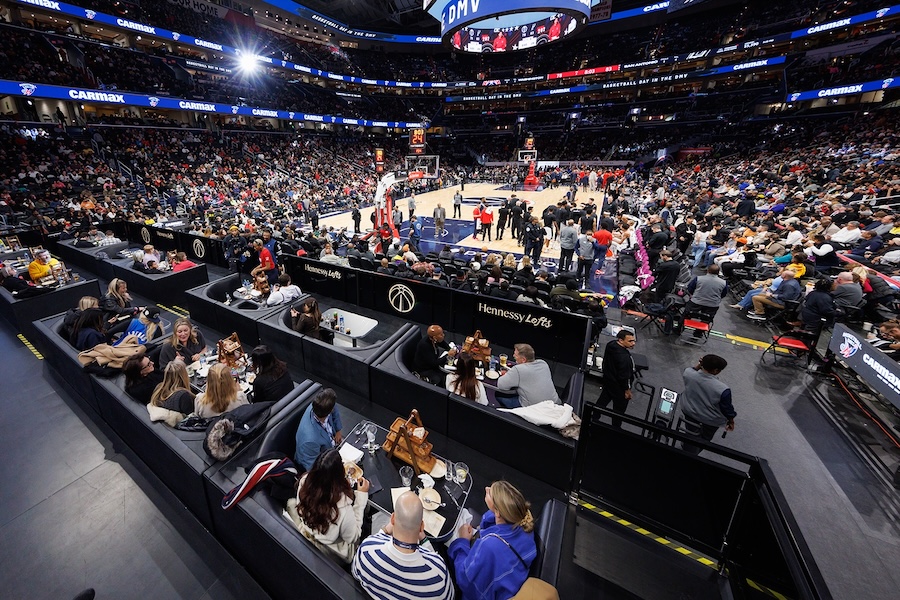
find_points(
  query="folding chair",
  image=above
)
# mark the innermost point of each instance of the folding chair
(797, 344)
(698, 324)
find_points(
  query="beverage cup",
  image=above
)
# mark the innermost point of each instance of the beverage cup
(406, 475)
(462, 472)
(451, 470)
(503, 359)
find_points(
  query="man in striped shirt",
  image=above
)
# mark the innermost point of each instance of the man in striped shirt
(391, 564)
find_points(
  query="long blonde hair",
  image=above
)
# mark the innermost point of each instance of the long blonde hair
(175, 379)
(511, 505)
(87, 302)
(113, 292)
(150, 326)
(221, 388)
(174, 339)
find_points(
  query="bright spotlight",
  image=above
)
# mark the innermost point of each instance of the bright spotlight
(247, 63)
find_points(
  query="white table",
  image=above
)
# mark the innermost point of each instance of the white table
(356, 326)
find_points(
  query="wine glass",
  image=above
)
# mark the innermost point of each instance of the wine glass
(370, 432)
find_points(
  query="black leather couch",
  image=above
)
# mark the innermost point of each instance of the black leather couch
(393, 385)
(167, 288)
(206, 303)
(260, 538)
(535, 450)
(22, 312)
(88, 257)
(341, 365)
(176, 457)
(63, 358)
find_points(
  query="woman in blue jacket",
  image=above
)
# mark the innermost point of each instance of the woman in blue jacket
(497, 564)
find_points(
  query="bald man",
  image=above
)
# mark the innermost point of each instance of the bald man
(392, 565)
(432, 352)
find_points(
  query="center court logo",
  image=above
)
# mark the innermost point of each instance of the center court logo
(27, 88)
(402, 298)
(199, 249)
(145, 235)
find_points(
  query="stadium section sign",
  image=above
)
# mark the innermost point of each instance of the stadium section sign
(22, 88)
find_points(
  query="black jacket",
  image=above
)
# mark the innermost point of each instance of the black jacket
(618, 369)
(268, 388)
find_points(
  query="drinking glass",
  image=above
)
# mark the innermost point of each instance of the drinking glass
(503, 359)
(451, 470)
(370, 432)
(462, 472)
(406, 475)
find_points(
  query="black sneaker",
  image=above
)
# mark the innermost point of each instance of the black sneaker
(756, 317)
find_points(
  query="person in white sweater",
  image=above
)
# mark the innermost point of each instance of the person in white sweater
(327, 511)
(464, 381)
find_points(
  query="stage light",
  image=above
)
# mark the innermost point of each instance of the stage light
(247, 63)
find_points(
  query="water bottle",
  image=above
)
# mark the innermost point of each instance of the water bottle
(227, 299)
(341, 324)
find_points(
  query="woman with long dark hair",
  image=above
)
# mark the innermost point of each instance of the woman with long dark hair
(464, 382)
(89, 330)
(327, 511)
(272, 382)
(307, 320)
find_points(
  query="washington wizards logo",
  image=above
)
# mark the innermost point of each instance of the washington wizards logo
(90, 14)
(291, 115)
(850, 345)
(284, 63)
(887, 83)
(27, 88)
(235, 109)
(881, 12)
(153, 100)
(794, 96)
(175, 35)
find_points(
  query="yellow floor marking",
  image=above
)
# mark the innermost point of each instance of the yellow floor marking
(28, 345)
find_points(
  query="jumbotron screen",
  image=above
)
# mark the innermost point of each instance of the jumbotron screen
(504, 39)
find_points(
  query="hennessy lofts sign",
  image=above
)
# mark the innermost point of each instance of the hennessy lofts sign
(516, 316)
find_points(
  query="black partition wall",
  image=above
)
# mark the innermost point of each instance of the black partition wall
(556, 335)
(735, 514)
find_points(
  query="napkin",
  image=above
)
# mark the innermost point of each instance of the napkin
(427, 480)
(350, 454)
(464, 517)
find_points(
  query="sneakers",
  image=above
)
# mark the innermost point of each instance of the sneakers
(737, 306)
(756, 316)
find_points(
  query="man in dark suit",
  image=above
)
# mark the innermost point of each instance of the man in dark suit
(618, 374)
(431, 353)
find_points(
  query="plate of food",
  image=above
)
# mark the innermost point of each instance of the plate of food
(255, 293)
(431, 498)
(492, 374)
(353, 471)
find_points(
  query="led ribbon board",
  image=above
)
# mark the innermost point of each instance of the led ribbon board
(506, 25)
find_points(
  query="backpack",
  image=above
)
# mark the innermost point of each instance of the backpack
(228, 431)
